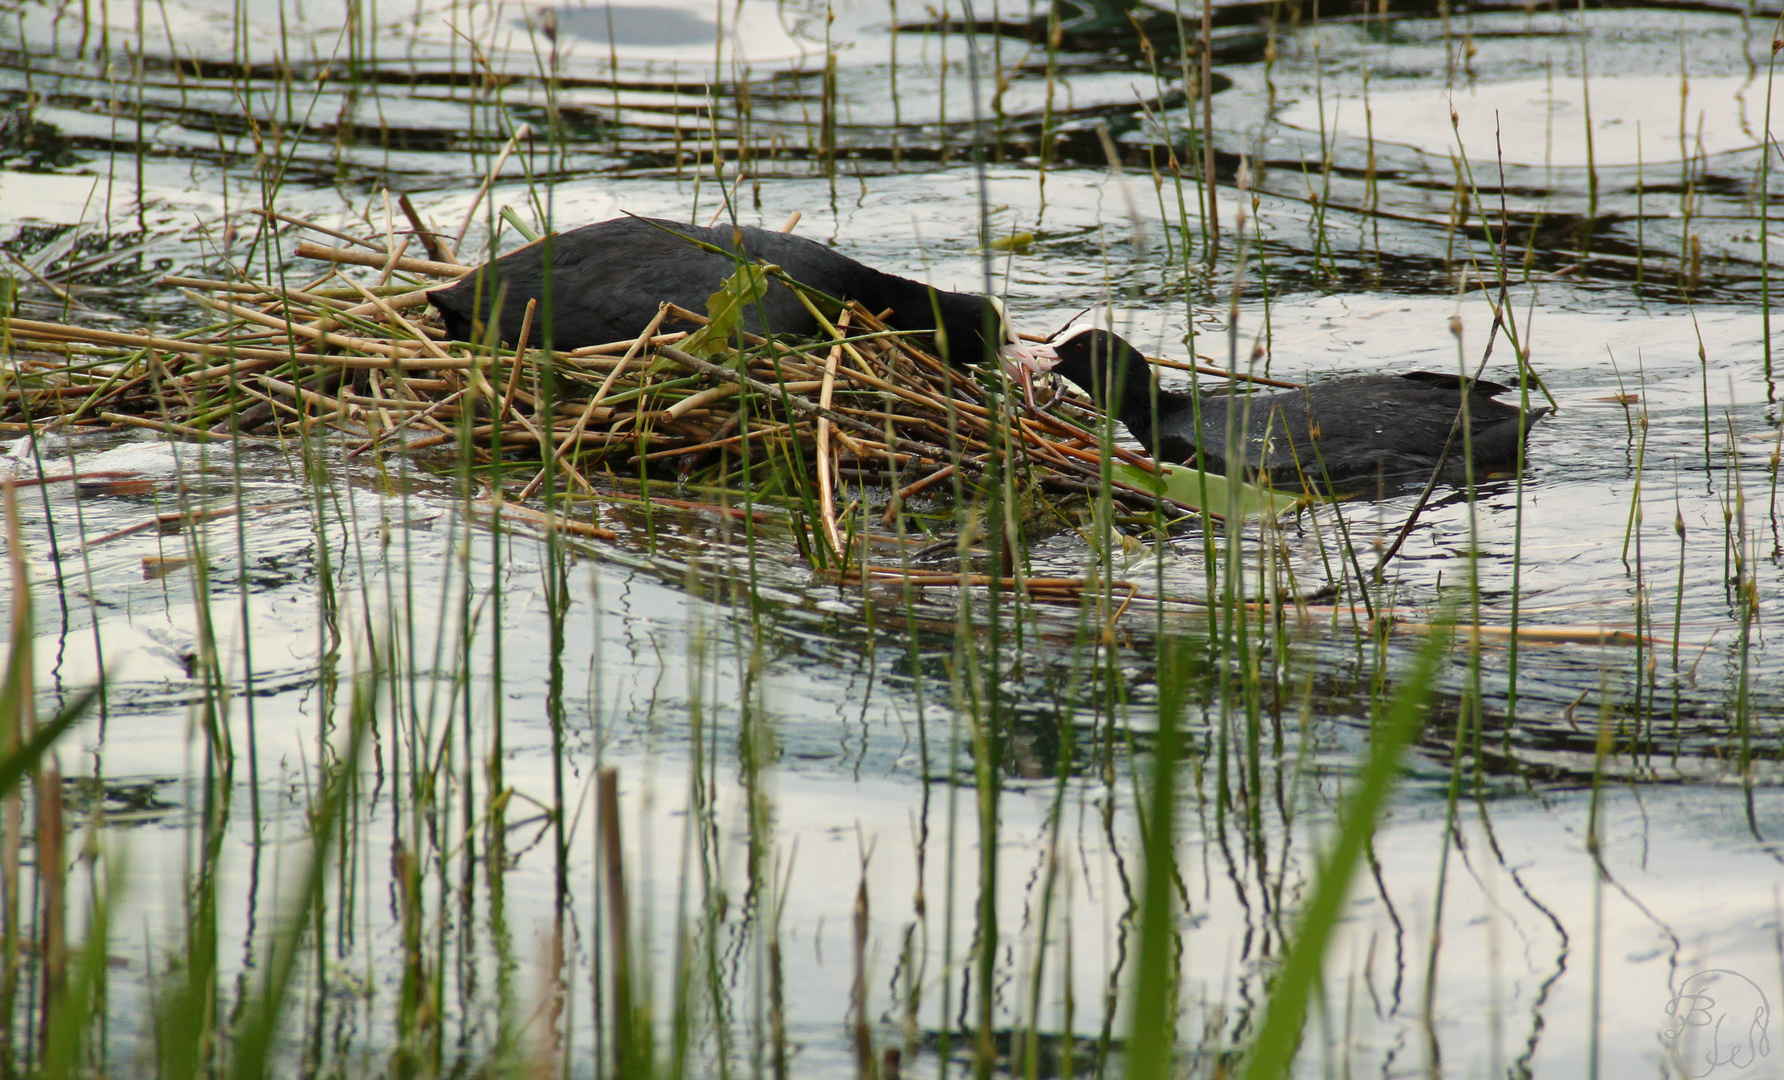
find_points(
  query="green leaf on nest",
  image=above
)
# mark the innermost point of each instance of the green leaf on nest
(724, 309)
(1205, 490)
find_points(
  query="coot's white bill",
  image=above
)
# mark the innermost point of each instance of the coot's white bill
(1032, 358)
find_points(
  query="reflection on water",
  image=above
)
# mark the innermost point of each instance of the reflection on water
(634, 24)
(1609, 835)
(1541, 942)
(1634, 119)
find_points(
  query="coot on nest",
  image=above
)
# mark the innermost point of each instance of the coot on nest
(1350, 428)
(608, 278)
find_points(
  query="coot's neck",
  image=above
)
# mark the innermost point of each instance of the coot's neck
(1133, 387)
(971, 324)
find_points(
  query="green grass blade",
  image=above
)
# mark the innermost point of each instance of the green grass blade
(1279, 1038)
(254, 1038)
(19, 764)
(1155, 983)
(72, 1023)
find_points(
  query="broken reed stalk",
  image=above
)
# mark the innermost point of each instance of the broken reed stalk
(826, 496)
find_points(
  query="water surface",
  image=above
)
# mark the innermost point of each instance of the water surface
(780, 739)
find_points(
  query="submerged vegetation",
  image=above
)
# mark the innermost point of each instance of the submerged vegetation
(713, 705)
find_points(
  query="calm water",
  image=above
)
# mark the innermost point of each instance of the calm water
(780, 740)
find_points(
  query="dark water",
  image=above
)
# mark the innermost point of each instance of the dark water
(134, 145)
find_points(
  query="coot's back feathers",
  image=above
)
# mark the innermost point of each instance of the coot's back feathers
(1364, 426)
(607, 279)
(1350, 428)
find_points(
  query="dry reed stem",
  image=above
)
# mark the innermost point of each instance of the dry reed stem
(38, 481)
(389, 311)
(185, 432)
(313, 397)
(213, 285)
(1235, 376)
(307, 250)
(429, 240)
(594, 403)
(826, 494)
(520, 352)
(501, 507)
(715, 443)
(25, 330)
(313, 227)
(524, 131)
(179, 518)
(396, 252)
(382, 348)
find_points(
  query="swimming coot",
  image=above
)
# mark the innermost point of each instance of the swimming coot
(608, 278)
(1350, 428)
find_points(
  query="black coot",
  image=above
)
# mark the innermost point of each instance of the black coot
(608, 278)
(1350, 428)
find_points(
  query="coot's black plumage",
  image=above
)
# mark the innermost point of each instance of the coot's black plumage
(608, 278)
(1349, 428)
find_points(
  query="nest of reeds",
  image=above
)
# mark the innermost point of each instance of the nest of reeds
(363, 363)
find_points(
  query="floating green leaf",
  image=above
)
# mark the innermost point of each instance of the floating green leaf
(1205, 490)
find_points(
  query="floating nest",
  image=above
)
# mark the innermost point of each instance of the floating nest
(363, 364)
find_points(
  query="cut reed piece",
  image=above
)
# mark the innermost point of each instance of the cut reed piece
(1061, 590)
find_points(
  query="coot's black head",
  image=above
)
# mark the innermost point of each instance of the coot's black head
(1091, 357)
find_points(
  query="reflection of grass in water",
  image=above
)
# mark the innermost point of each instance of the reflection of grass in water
(1301, 974)
(1765, 217)
(459, 829)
